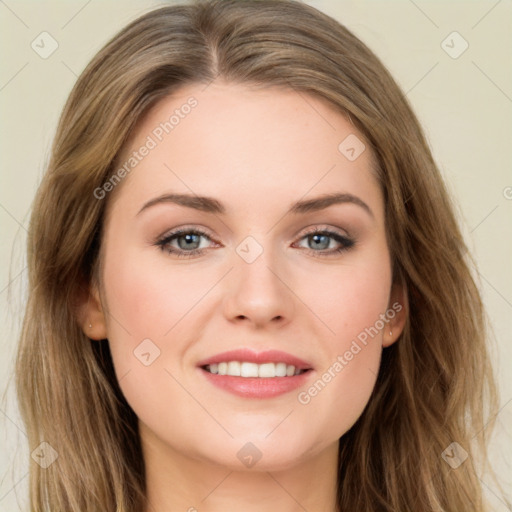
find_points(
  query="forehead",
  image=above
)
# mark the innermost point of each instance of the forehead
(240, 141)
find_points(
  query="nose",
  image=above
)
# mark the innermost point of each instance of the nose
(257, 292)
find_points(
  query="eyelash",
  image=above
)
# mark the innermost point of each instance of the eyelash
(163, 243)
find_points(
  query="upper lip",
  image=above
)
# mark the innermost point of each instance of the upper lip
(248, 355)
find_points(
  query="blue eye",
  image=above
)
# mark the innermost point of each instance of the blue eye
(188, 242)
(322, 240)
(186, 238)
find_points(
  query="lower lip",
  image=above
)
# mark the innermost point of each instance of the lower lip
(256, 387)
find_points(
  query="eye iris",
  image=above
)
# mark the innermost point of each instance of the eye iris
(315, 238)
(189, 237)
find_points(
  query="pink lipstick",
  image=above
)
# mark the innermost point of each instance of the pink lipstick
(252, 374)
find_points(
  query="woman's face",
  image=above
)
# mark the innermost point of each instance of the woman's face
(261, 266)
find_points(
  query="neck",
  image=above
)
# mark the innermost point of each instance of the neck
(177, 482)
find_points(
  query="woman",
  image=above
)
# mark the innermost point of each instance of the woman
(307, 346)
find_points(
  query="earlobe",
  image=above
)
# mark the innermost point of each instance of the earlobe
(91, 315)
(397, 313)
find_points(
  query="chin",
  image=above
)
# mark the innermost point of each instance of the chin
(259, 454)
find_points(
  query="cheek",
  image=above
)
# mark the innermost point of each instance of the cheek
(352, 306)
(340, 393)
(149, 300)
(349, 299)
(145, 311)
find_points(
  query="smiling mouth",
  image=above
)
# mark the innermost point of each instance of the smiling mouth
(248, 369)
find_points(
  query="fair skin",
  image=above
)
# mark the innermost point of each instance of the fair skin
(257, 151)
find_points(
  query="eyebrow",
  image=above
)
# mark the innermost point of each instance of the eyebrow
(211, 205)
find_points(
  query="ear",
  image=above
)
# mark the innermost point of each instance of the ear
(90, 313)
(397, 313)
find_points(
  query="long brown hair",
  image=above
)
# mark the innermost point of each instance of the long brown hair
(435, 385)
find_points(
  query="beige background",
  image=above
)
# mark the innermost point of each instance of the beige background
(464, 103)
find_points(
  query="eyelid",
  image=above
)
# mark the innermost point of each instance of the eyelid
(313, 228)
(187, 228)
(340, 235)
(325, 227)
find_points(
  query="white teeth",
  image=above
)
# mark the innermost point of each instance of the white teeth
(281, 370)
(245, 369)
(234, 368)
(267, 370)
(248, 370)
